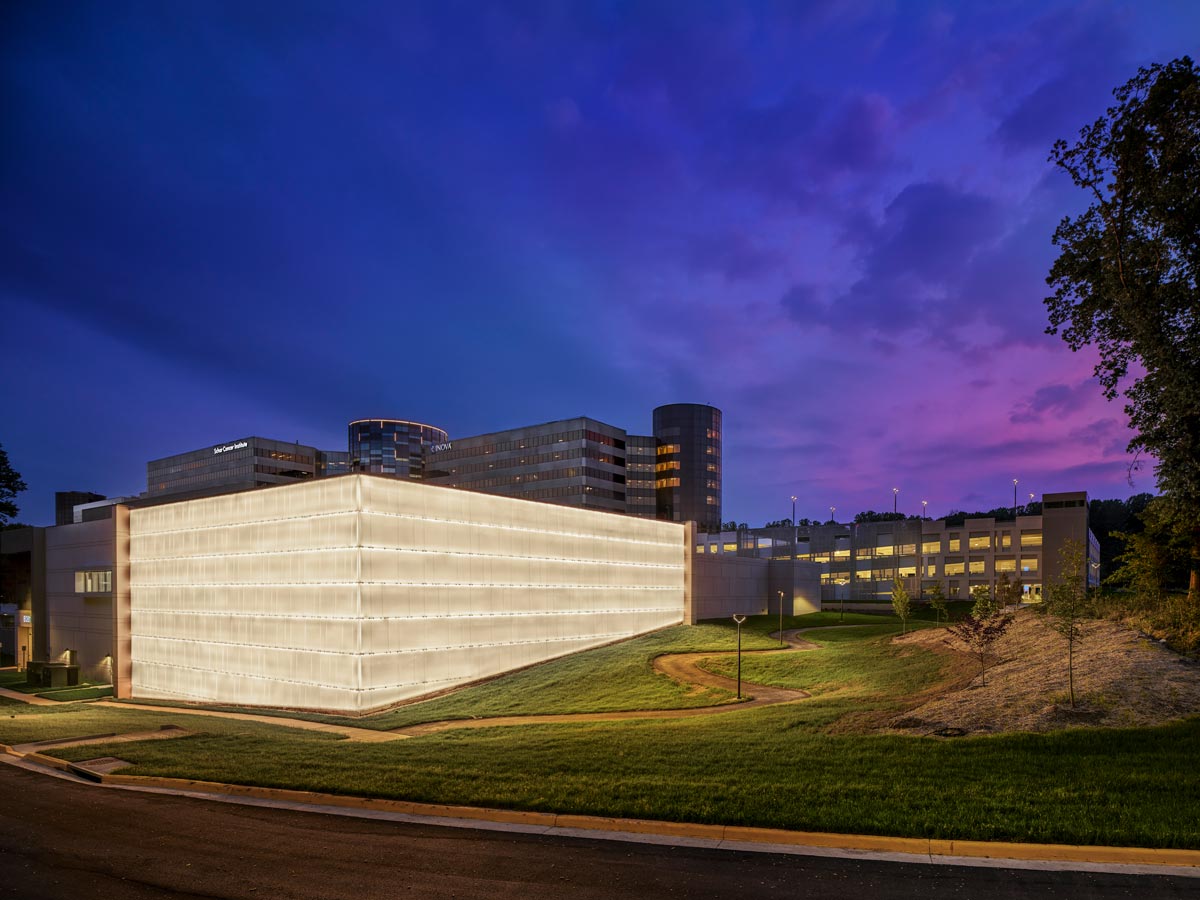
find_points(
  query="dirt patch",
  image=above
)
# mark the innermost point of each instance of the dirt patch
(1122, 679)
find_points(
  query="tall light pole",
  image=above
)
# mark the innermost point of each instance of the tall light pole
(793, 537)
(739, 620)
(895, 499)
(841, 582)
(1031, 498)
(921, 550)
(1014, 498)
(832, 517)
(780, 593)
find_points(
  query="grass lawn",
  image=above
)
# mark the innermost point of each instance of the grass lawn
(617, 677)
(792, 766)
(86, 690)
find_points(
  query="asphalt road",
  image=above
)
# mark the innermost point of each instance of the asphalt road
(64, 840)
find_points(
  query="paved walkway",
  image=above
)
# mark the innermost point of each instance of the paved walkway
(31, 699)
(363, 735)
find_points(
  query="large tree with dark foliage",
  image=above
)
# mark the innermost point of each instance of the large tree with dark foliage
(10, 485)
(1126, 279)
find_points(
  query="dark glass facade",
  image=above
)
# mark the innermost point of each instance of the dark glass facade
(574, 462)
(392, 446)
(687, 474)
(66, 501)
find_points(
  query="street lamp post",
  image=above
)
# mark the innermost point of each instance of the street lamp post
(793, 513)
(780, 593)
(739, 620)
(1014, 498)
(895, 500)
(832, 517)
(841, 582)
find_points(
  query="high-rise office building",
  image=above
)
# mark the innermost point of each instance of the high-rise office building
(392, 446)
(231, 466)
(688, 471)
(573, 462)
(641, 455)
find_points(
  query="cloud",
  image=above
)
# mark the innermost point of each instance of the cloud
(1056, 400)
(913, 263)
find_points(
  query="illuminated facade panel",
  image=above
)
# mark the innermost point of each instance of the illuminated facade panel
(354, 593)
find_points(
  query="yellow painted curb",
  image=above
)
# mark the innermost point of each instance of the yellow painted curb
(1138, 856)
(640, 826)
(878, 843)
(48, 761)
(405, 807)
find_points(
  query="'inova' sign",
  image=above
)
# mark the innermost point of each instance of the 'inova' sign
(225, 448)
(438, 448)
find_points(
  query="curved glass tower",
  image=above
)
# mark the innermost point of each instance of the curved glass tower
(687, 474)
(391, 446)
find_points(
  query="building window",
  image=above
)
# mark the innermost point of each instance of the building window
(93, 581)
(979, 540)
(930, 547)
(976, 567)
(1006, 565)
(1031, 538)
(1029, 565)
(955, 568)
(955, 544)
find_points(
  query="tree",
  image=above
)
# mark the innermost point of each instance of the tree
(1066, 605)
(1155, 558)
(901, 604)
(1006, 594)
(979, 634)
(871, 516)
(984, 604)
(937, 599)
(10, 485)
(1127, 276)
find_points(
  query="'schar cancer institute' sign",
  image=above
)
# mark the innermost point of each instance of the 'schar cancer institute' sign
(225, 448)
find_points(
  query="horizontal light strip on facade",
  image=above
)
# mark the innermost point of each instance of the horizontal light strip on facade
(350, 512)
(516, 614)
(408, 585)
(433, 648)
(332, 687)
(415, 550)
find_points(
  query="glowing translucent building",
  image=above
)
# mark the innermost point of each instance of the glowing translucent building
(353, 593)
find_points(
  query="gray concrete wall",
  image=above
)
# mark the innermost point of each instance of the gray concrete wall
(725, 585)
(800, 583)
(79, 622)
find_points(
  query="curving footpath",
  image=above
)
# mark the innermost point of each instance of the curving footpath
(683, 668)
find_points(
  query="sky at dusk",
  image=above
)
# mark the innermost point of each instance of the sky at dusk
(830, 219)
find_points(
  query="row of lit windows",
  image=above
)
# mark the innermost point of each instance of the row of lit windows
(668, 449)
(668, 466)
(666, 482)
(537, 440)
(534, 460)
(552, 475)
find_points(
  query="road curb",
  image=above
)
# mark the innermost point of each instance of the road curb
(737, 834)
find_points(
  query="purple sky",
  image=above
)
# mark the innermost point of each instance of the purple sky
(832, 220)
